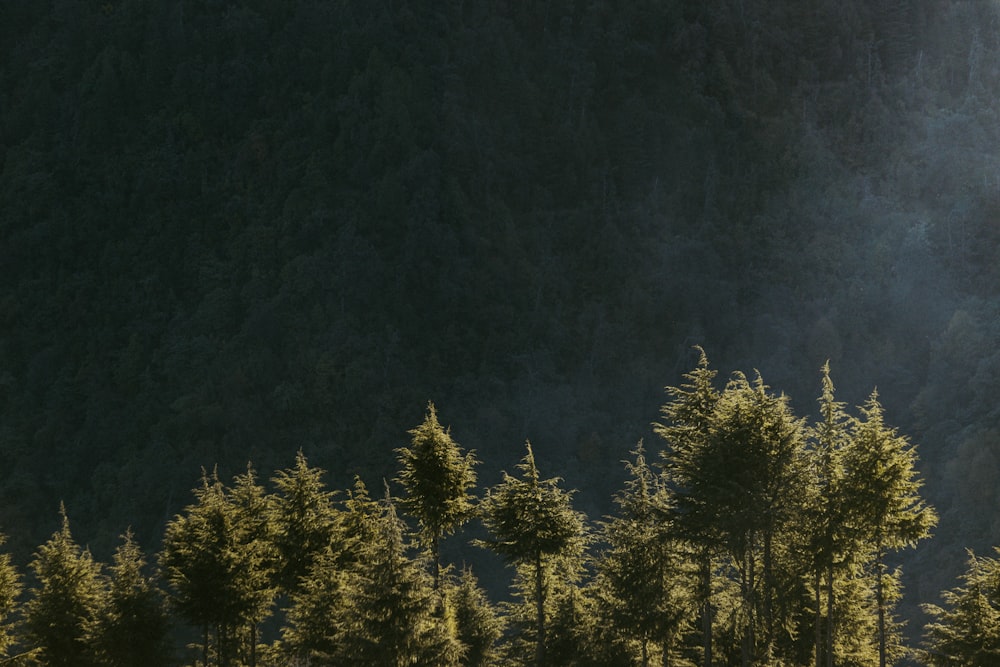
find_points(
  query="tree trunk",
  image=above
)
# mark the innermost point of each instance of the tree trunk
(829, 613)
(539, 611)
(818, 584)
(706, 608)
(436, 552)
(880, 601)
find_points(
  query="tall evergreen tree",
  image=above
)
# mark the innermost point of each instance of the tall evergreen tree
(216, 558)
(685, 428)
(882, 481)
(754, 479)
(396, 607)
(304, 521)
(646, 572)
(131, 629)
(966, 631)
(436, 477)
(830, 540)
(65, 601)
(530, 521)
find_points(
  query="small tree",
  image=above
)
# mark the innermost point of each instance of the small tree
(477, 624)
(645, 572)
(304, 521)
(531, 520)
(687, 422)
(967, 631)
(65, 603)
(131, 626)
(10, 590)
(436, 477)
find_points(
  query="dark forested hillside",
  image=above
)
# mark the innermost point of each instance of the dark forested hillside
(235, 229)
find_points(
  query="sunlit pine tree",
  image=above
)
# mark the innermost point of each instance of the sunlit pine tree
(686, 423)
(647, 577)
(64, 602)
(531, 521)
(436, 477)
(966, 631)
(883, 486)
(131, 628)
(304, 521)
(395, 606)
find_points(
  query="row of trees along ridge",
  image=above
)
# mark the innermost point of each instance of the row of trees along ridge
(753, 538)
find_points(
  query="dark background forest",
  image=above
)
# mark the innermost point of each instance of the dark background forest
(230, 230)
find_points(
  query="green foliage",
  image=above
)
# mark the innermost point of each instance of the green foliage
(216, 557)
(10, 590)
(65, 602)
(436, 477)
(131, 627)
(478, 626)
(966, 631)
(397, 611)
(646, 574)
(531, 524)
(304, 521)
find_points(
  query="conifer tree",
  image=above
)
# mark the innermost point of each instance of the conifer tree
(531, 521)
(886, 507)
(477, 623)
(131, 627)
(216, 557)
(319, 613)
(65, 601)
(830, 541)
(754, 479)
(966, 632)
(645, 572)
(436, 477)
(319, 617)
(396, 606)
(304, 521)
(687, 422)
(10, 590)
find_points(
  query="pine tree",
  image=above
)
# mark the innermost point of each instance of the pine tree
(530, 522)
(319, 613)
(320, 616)
(477, 623)
(396, 606)
(304, 521)
(436, 477)
(216, 557)
(646, 574)
(65, 601)
(882, 482)
(830, 541)
(10, 590)
(754, 479)
(687, 421)
(966, 631)
(131, 627)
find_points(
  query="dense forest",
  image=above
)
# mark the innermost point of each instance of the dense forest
(236, 230)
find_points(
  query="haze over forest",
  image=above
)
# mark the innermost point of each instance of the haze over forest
(231, 230)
